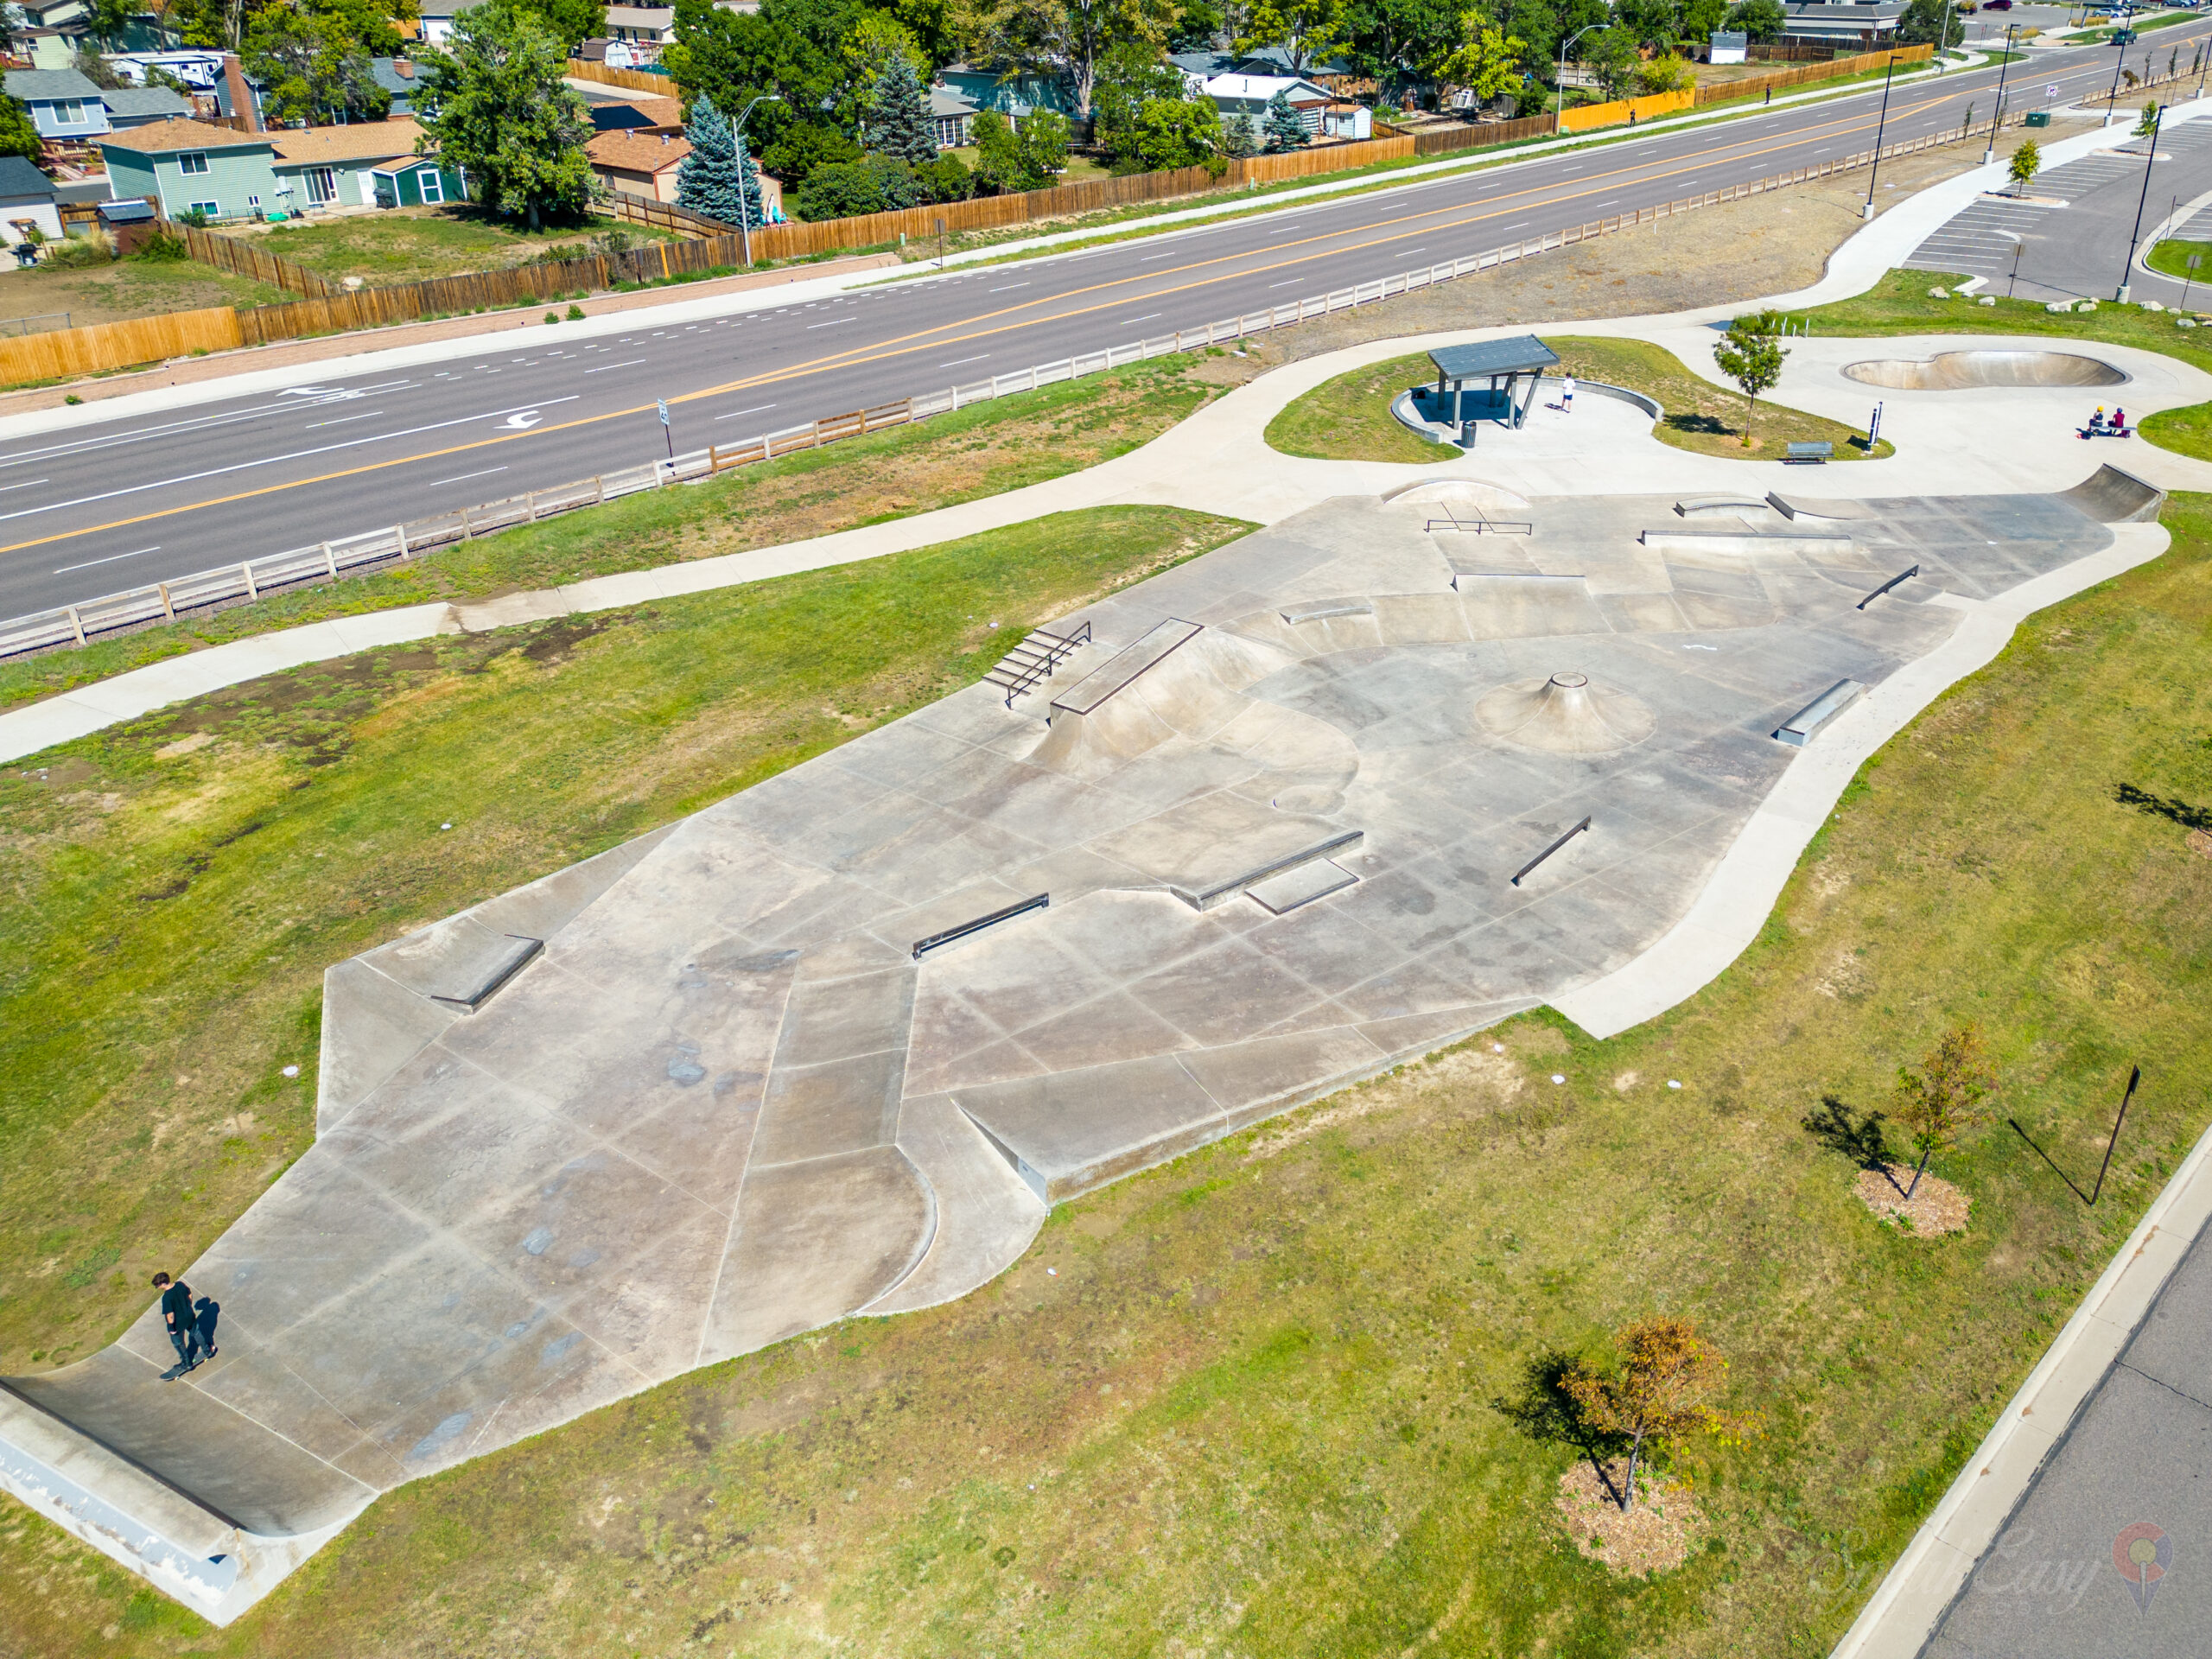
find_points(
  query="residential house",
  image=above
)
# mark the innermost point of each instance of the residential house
(436, 18)
(417, 182)
(639, 163)
(27, 201)
(52, 32)
(1013, 94)
(63, 102)
(1844, 25)
(182, 165)
(179, 165)
(643, 113)
(644, 29)
(1346, 121)
(952, 117)
(1241, 94)
(1199, 67)
(333, 167)
(136, 106)
(398, 77)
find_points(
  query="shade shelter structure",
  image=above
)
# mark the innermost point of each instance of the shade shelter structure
(1504, 364)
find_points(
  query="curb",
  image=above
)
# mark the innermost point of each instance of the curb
(1935, 1569)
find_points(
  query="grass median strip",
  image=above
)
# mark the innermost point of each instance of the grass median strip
(175, 887)
(1348, 418)
(1251, 1406)
(986, 449)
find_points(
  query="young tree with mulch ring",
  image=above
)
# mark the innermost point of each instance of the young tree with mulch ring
(1946, 1096)
(1662, 1389)
(1750, 355)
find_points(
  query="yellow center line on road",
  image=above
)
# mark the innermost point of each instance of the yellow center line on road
(936, 338)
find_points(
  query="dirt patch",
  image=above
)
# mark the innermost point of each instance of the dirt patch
(1653, 1537)
(1936, 1207)
(2200, 843)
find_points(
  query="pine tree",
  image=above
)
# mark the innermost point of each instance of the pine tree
(900, 125)
(1284, 128)
(1240, 136)
(717, 179)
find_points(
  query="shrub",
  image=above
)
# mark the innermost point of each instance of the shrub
(162, 245)
(575, 313)
(94, 248)
(947, 178)
(875, 184)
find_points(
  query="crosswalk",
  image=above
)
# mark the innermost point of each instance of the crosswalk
(1989, 238)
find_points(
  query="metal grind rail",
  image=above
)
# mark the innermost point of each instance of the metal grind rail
(157, 604)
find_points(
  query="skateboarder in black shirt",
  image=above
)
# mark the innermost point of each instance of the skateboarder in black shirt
(183, 1324)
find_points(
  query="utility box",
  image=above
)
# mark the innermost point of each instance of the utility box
(2038, 119)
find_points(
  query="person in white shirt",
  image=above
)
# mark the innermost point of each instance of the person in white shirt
(1566, 395)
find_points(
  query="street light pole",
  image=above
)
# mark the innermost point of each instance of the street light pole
(1559, 111)
(737, 136)
(2158, 119)
(1874, 168)
(1998, 120)
(2112, 99)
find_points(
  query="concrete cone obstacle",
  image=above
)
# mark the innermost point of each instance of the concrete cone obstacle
(1564, 714)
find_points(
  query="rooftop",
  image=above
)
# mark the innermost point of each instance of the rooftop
(45, 85)
(18, 178)
(633, 152)
(166, 137)
(358, 140)
(1523, 355)
(144, 100)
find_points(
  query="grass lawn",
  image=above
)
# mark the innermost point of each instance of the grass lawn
(412, 244)
(2172, 257)
(125, 289)
(192, 900)
(1899, 304)
(1250, 1411)
(984, 449)
(1348, 418)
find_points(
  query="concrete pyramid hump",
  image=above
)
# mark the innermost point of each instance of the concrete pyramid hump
(1564, 714)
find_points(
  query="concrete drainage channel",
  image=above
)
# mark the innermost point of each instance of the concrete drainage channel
(158, 604)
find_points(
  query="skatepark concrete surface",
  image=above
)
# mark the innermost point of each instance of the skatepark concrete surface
(1285, 815)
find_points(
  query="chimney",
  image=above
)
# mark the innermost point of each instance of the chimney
(241, 104)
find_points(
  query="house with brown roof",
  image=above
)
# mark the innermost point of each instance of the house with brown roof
(180, 165)
(639, 162)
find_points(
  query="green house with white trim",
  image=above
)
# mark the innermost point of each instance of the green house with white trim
(417, 182)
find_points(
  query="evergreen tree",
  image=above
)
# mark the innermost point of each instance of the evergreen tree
(1240, 136)
(717, 179)
(899, 126)
(1284, 129)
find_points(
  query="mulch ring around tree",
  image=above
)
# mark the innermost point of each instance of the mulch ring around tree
(1936, 1205)
(1653, 1537)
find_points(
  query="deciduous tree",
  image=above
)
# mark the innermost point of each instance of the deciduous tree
(1750, 355)
(18, 136)
(2027, 161)
(1054, 37)
(1761, 20)
(1306, 30)
(1179, 132)
(1946, 1098)
(497, 105)
(1662, 1389)
(1486, 62)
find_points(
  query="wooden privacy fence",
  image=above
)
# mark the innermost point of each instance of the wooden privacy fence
(162, 602)
(630, 80)
(667, 216)
(64, 352)
(246, 259)
(1835, 69)
(1591, 116)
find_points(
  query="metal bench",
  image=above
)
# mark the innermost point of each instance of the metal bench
(1810, 454)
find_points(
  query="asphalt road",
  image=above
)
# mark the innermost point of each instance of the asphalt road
(139, 500)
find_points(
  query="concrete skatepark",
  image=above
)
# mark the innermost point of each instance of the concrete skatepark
(701, 1093)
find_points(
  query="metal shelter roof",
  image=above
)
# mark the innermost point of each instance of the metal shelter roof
(1523, 354)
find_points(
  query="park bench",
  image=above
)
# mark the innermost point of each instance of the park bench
(1813, 454)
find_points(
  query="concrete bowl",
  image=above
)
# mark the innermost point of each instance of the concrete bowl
(1965, 371)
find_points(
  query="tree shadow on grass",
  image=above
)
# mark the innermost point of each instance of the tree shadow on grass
(1858, 1138)
(1711, 426)
(2172, 808)
(1547, 1413)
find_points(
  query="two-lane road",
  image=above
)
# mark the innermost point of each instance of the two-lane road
(135, 501)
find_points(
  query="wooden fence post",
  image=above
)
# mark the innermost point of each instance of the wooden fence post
(77, 625)
(252, 587)
(400, 531)
(330, 560)
(167, 609)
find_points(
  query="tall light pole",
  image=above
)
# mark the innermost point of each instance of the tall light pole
(737, 139)
(1874, 168)
(1998, 120)
(2157, 116)
(2112, 99)
(1559, 113)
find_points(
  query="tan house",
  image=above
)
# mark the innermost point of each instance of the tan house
(639, 164)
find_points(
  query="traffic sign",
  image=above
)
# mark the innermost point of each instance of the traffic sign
(663, 411)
